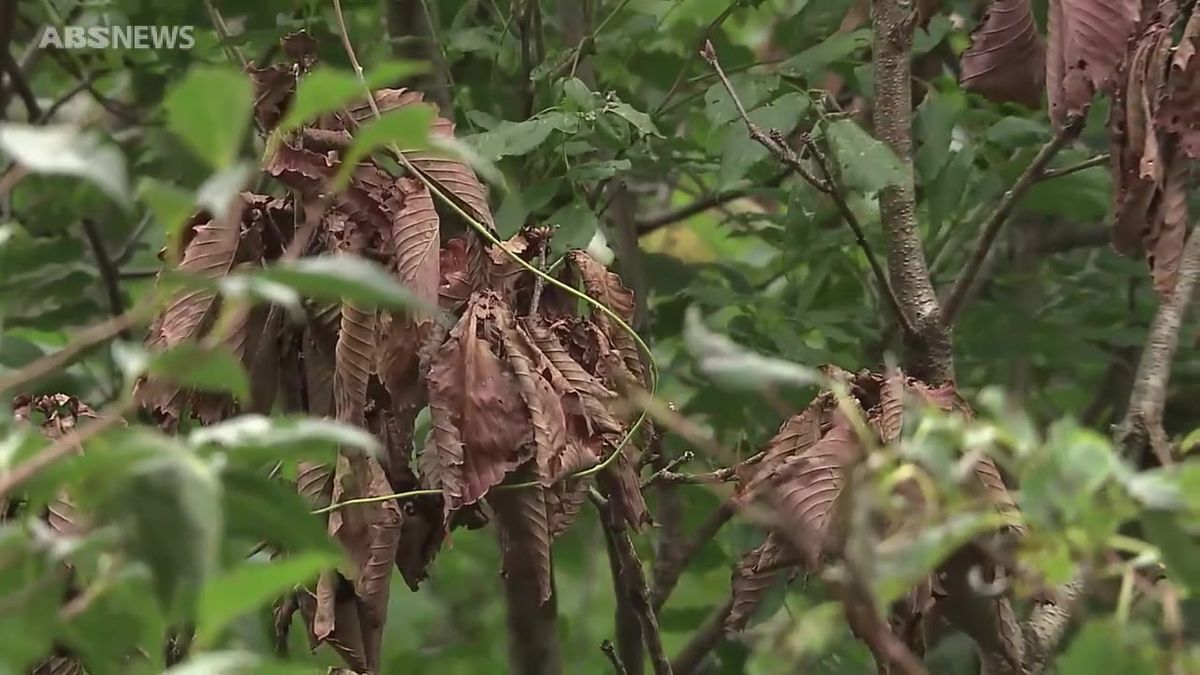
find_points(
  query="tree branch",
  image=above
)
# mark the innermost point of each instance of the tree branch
(783, 153)
(991, 228)
(109, 273)
(928, 345)
(704, 640)
(17, 81)
(633, 585)
(611, 654)
(1136, 434)
(1098, 160)
(701, 205)
(410, 29)
(669, 574)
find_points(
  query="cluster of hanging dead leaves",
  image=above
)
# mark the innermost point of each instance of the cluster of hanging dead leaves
(1155, 124)
(1127, 50)
(803, 478)
(520, 387)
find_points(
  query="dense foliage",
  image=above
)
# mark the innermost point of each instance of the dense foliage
(601, 336)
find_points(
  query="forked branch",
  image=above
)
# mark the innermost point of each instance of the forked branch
(786, 156)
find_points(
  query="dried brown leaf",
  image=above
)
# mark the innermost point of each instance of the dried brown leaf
(606, 287)
(1007, 58)
(1164, 245)
(753, 576)
(797, 434)
(1086, 43)
(525, 538)
(450, 174)
(808, 487)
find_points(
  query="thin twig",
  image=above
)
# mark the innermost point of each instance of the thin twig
(64, 446)
(669, 467)
(1098, 160)
(109, 273)
(233, 52)
(84, 340)
(17, 80)
(538, 283)
(611, 654)
(704, 640)
(633, 584)
(788, 157)
(701, 205)
(991, 228)
(669, 575)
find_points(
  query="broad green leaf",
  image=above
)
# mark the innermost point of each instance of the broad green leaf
(934, 127)
(260, 438)
(127, 601)
(210, 111)
(201, 368)
(1180, 552)
(946, 192)
(514, 139)
(1013, 132)
(251, 586)
(327, 90)
(832, 49)
(67, 151)
(752, 90)
(865, 163)
(575, 225)
(739, 152)
(904, 559)
(31, 588)
(343, 277)
(640, 120)
(260, 509)
(168, 509)
(578, 95)
(407, 128)
(1103, 646)
(594, 171)
(170, 204)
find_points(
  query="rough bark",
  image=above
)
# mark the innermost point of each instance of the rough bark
(928, 350)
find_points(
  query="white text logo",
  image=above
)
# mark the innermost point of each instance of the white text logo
(118, 37)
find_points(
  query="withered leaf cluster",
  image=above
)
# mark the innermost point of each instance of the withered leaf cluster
(519, 385)
(1155, 131)
(803, 480)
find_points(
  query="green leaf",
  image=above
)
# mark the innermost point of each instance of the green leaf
(830, 50)
(407, 128)
(343, 277)
(67, 151)
(515, 139)
(259, 509)
(594, 171)
(250, 586)
(191, 365)
(210, 111)
(739, 152)
(31, 588)
(1014, 132)
(327, 90)
(170, 204)
(261, 438)
(578, 95)
(904, 559)
(1103, 646)
(640, 120)
(752, 90)
(1180, 552)
(866, 164)
(169, 511)
(575, 225)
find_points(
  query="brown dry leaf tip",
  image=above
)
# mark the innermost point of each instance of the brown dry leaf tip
(1086, 45)
(606, 288)
(525, 537)
(1007, 58)
(753, 576)
(1180, 111)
